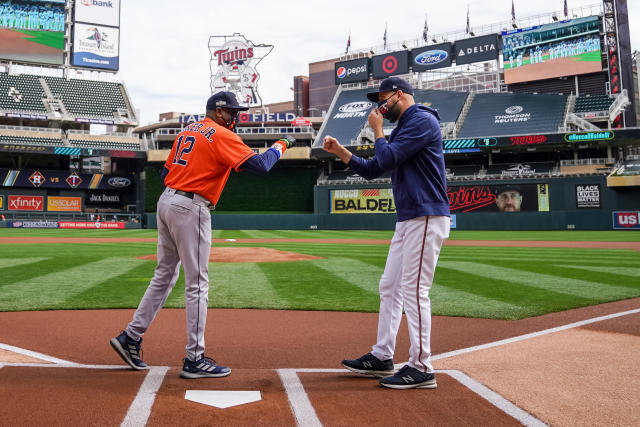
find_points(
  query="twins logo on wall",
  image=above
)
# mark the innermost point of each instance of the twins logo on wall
(233, 67)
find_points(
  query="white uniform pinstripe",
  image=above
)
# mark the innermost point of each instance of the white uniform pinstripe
(406, 282)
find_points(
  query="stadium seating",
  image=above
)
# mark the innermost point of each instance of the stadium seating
(457, 172)
(448, 104)
(520, 170)
(586, 104)
(30, 136)
(21, 93)
(112, 142)
(495, 114)
(88, 98)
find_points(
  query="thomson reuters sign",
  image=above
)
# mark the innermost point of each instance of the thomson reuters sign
(64, 204)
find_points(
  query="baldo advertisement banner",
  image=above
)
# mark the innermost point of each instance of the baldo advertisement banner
(96, 47)
(477, 49)
(31, 31)
(547, 51)
(97, 12)
(356, 70)
(390, 64)
(499, 198)
(366, 200)
(431, 57)
(588, 196)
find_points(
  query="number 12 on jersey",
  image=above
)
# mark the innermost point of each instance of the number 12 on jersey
(185, 145)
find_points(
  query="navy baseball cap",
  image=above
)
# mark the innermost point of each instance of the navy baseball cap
(391, 84)
(224, 100)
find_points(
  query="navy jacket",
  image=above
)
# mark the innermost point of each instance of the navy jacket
(414, 155)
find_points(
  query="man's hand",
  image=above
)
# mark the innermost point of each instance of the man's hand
(375, 121)
(288, 140)
(331, 145)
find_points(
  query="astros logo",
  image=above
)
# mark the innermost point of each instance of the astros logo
(341, 72)
(37, 179)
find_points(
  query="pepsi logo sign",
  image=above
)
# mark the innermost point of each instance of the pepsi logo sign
(341, 73)
(117, 181)
(354, 107)
(430, 57)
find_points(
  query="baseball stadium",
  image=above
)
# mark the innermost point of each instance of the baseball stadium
(535, 295)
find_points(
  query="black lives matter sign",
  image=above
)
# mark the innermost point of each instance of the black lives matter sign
(588, 196)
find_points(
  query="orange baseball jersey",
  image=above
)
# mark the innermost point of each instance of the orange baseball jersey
(202, 157)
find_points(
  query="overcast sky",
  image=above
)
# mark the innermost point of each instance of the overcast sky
(164, 55)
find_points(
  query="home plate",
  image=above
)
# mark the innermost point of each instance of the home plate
(222, 398)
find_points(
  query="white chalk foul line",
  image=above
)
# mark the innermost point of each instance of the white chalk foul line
(34, 354)
(494, 398)
(298, 400)
(533, 334)
(140, 408)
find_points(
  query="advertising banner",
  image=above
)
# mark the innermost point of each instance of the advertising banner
(25, 203)
(390, 64)
(103, 12)
(92, 225)
(588, 196)
(1, 202)
(499, 198)
(29, 178)
(626, 220)
(366, 200)
(31, 31)
(103, 199)
(32, 224)
(96, 47)
(547, 51)
(477, 49)
(356, 70)
(64, 204)
(431, 57)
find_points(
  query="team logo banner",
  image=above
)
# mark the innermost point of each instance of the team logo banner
(431, 57)
(92, 225)
(367, 200)
(95, 46)
(64, 204)
(390, 64)
(233, 67)
(356, 70)
(499, 198)
(477, 49)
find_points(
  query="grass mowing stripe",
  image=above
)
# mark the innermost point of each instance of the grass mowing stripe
(241, 285)
(12, 262)
(358, 273)
(625, 271)
(580, 288)
(454, 302)
(261, 234)
(49, 290)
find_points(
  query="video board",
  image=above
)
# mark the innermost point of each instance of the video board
(547, 51)
(32, 31)
(95, 46)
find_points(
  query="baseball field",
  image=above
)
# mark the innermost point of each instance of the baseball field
(528, 328)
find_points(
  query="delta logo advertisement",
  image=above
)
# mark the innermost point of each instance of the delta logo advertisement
(431, 57)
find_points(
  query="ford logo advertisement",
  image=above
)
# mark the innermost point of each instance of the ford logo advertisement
(117, 181)
(430, 57)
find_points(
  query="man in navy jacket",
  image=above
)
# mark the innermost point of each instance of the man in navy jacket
(415, 158)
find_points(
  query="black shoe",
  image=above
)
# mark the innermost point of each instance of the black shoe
(408, 377)
(203, 368)
(370, 365)
(129, 349)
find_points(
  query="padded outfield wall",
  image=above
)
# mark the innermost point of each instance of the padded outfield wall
(579, 202)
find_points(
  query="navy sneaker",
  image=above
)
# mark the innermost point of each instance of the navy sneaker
(203, 368)
(409, 377)
(129, 349)
(370, 365)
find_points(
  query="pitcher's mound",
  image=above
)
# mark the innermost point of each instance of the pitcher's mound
(249, 255)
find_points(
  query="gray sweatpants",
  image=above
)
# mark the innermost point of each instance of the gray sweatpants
(184, 235)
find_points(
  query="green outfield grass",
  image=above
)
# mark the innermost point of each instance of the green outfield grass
(53, 39)
(490, 282)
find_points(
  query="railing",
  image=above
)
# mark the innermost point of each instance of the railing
(275, 130)
(118, 134)
(619, 104)
(30, 129)
(581, 162)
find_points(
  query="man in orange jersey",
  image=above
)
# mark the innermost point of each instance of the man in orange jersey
(195, 173)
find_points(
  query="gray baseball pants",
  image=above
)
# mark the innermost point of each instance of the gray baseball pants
(184, 236)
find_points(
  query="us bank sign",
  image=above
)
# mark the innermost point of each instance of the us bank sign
(233, 67)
